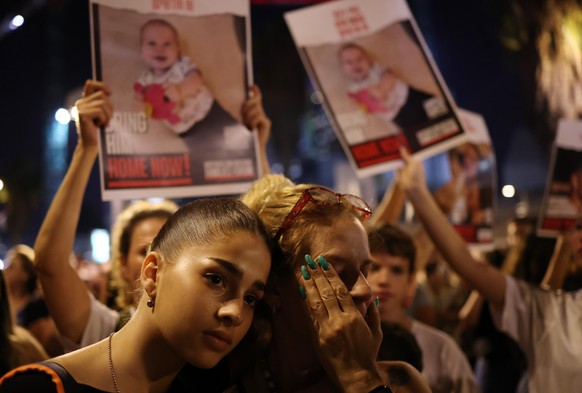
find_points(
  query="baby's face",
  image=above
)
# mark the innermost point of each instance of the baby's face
(355, 64)
(159, 47)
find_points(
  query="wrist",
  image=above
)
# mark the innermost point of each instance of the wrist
(87, 150)
(416, 192)
(88, 145)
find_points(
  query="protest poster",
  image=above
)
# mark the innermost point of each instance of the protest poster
(179, 72)
(377, 81)
(468, 197)
(562, 204)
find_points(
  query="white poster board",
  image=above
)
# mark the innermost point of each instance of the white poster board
(380, 87)
(179, 73)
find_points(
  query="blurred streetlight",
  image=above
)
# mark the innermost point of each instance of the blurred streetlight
(508, 191)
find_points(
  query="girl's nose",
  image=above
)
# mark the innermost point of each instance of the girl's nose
(231, 312)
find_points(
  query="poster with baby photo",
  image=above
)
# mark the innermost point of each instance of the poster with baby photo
(468, 195)
(179, 72)
(378, 83)
(562, 205)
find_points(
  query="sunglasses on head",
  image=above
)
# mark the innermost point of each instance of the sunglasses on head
(321, 196)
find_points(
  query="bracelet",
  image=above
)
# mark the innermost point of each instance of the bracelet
(381, 389)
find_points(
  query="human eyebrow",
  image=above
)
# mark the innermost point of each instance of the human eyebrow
(259, 285)
(340, 263)
(233, 269)
(228, 266)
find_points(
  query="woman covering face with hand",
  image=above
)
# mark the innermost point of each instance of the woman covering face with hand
(202, 278)
(322, 328)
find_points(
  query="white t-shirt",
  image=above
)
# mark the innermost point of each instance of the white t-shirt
(444, 365)
(101, 323)
(547, 325)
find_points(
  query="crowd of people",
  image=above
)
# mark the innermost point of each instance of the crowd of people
(289, 288)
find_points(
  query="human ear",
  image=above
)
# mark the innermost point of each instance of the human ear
(149, 273)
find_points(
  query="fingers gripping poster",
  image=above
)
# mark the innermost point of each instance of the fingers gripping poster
(178, 72)
(380, 87)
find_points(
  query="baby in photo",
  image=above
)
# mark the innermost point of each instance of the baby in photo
(171, 87)
(378, 91)
(375, 89)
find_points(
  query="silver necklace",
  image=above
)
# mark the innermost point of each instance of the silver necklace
(111, 364)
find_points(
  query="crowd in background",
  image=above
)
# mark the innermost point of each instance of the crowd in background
(443, 308)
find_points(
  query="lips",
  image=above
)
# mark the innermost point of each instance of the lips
(218, 340)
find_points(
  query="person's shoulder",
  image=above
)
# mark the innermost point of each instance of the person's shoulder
(22, 336)
(26, 348)
(426, 329)
(35, 377)
(544, 293)
(437, 337)
(42, 377)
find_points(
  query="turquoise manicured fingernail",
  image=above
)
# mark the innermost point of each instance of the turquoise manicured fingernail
(377, 301)
(310, 262)
(302, 293)
(305, 272)
(322, 262)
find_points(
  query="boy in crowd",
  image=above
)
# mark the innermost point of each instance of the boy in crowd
(445, 366)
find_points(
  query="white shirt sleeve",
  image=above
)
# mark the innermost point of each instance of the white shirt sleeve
(546, 324)
(514, 318)
(101, 323)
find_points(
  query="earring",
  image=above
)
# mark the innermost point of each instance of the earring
(150, 303)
